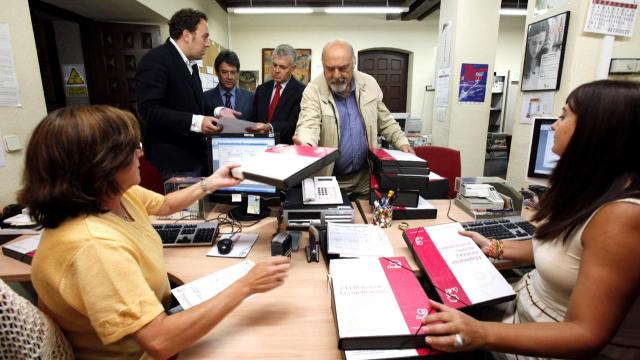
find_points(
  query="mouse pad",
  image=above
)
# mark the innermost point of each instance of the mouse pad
(242, 244)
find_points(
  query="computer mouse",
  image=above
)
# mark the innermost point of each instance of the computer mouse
(225, 246)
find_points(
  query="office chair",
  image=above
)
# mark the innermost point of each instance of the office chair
(150, 176)
(443, 161)
(26, 332)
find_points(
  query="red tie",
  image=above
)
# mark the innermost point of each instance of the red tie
(274, 102)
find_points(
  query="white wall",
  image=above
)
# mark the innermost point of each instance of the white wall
(23, 119)
(251, 33)
(217, 16)
(508, 57)
(580, 66)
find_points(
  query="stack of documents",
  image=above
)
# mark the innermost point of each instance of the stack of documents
(23, 250)
(356, 240)
(378, 304)
(285, 166)
(20, 220)
(458, 270)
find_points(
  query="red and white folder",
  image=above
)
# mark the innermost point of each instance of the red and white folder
(285, 166)
(378, 303)
(459, 271)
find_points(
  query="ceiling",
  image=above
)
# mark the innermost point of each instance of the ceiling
(418, 9)
(134, 11)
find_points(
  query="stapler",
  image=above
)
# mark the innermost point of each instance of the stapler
(313, 249)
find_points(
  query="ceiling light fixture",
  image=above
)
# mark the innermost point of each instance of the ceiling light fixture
(271, 10)
(366, 10)
(513, 12)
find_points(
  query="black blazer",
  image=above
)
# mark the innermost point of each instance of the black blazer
(168, 96)
(285, 116)
(244, 102)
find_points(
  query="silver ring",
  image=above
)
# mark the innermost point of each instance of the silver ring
(458, 343)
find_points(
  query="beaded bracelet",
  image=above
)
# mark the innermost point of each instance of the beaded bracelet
(496, 249)
(203, 186)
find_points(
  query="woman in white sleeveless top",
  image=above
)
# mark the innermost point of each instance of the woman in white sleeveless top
(583, 298)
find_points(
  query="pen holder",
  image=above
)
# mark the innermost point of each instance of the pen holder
(382, 215)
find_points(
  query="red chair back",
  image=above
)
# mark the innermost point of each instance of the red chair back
(150, 176)
(443, 161)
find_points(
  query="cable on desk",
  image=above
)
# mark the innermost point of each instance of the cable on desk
(449, 209)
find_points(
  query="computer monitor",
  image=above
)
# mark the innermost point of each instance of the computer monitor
(542, 160)
(235, 148)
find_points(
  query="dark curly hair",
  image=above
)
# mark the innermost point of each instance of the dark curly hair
(72, 159)
(185, 19)
(598, 165)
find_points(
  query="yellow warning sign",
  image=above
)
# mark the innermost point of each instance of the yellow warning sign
(75, 78)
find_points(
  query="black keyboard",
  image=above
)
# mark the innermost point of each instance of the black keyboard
(506, 228)
(201, 234)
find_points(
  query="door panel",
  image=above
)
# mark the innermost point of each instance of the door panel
(390, 69)
(115, 54)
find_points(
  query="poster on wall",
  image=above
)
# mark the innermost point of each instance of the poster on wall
(248, 80)
(75, 84)
(9, 93)
(611, 17)
(538, 104)
(473, 83)
(544, 53)
(302, 72)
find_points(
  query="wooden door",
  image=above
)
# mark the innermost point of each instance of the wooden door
(114, 53)
(390, 69)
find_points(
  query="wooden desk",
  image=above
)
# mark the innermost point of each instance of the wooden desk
(291, 322)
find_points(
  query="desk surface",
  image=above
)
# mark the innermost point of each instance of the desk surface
(267, 325)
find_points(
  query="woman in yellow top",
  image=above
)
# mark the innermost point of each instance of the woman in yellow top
(99, 271)
(583, 298)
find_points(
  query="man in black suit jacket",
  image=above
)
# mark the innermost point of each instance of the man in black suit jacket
(227, 65)
(169, 95)
(279, 116)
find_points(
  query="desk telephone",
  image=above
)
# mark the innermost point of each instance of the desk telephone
(321, 190)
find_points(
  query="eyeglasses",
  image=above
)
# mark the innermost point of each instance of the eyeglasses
(139, 146)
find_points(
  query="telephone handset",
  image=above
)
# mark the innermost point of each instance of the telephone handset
(321, 190)
(494, 195)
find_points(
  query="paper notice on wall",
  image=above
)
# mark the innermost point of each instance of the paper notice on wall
(75, 80)
(208, 81)
(536, 105)
(2, 163)
(441, 114)
(9, 93)
(612, 17)
(442, 87)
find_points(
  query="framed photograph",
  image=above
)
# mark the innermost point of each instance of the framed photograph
(303, 65)
(544, 53)
(248, 80)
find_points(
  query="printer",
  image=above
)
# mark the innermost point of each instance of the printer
(297, 215)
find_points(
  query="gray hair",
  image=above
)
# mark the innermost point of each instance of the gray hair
(284, 50)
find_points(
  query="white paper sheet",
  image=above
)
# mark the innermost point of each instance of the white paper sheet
(355, 240)
(203, 289)
(442, 87)
(235, 126)
(9, 93)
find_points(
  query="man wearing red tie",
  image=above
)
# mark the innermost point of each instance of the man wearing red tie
(277, 102)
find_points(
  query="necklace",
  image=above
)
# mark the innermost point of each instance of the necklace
(123, 213)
